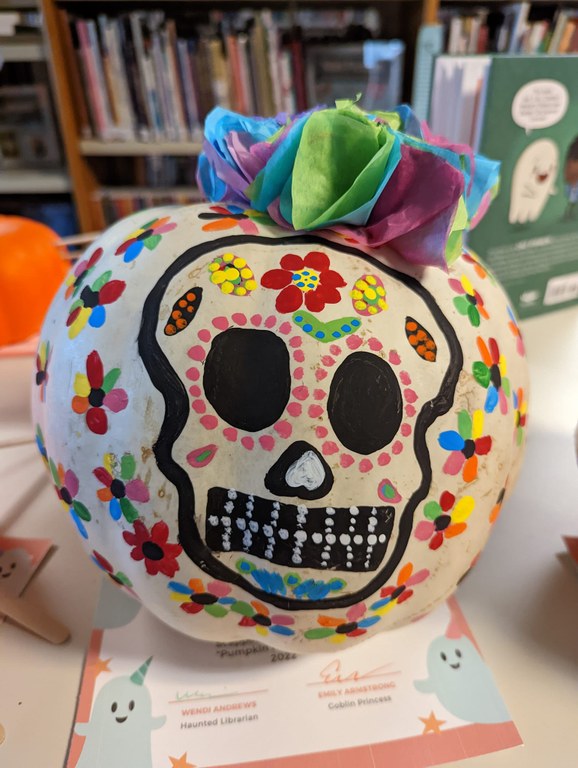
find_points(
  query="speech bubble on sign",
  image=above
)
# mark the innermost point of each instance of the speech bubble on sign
(540, 104)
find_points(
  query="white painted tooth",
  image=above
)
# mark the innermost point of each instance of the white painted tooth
(381, 538)
(232, 494)
(283, 533)
(214, 520)
(254, 525)
(276, 504)
(300, 536)
(330, 511)
(241, 523)
(371, 528)
(372, 520)
(351, 528)
(275, 514)
(350, 555)
(296, 559)
(226, 546)
(317, 538)
(247, 539)
(226, 520)
(268, 554)
(330, 538)
(372, 539)
(306, 471)
(268, 531)
(329, 522)
(348, 565)
(354, 511)
(358, 539)
(325, 555)
(345, 538)
(229, 507)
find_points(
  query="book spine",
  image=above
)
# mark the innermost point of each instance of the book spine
(289, 104)
(94, 94)
(134, 79)
(248, 76)
(274, 54)
(176, 81)
(146, 73)
(161, 81)
(109, 133)
(234, 73)
(76, 73)
(127, 114)
(298, 74)
(188, 92)
(218, 74)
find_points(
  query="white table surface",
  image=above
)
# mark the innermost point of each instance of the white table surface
(521, 600)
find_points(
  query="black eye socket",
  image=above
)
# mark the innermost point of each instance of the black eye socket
(131, 705)
(247, 378)
(114, 706)
(444, 657)
(365, 403)
(458, 653)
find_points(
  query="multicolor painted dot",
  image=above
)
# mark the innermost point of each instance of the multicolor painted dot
(200, 457)
(421, 340)
(232, 275)
(325, 332)
(387, 492)
(368, 296)
(183, 311)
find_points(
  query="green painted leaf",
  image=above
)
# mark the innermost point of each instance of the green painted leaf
(481, 373)
(54, 472)
(243, 608)
(432, 510)
(465, 424)
(506, 386)
(110, 379)
(473, 314)
(128, 510)
(461, 304)
(127, 466)
(75, 305)
(81, 510)
(319, 633)
(216, 610)
(102, 280)
(122, 577)
(152, 242)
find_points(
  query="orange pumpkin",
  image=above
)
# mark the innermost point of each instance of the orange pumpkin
(32, 269)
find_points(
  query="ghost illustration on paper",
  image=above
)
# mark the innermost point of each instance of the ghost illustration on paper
(533, 182)
(462, 682)
(15, 570)
(118, 734)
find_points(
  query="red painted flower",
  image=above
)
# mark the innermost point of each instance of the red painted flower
(95, 392)
(152, 546)
(81, 271)
(309, 279)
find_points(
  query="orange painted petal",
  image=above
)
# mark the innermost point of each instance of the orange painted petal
(197, 585)
(329, 621)
(79, 404)
(454, 530)
(484, 351)
(260, 607)
(219, 224)
(61, 474)
(470, 471)
(404, 574)
(104, 494)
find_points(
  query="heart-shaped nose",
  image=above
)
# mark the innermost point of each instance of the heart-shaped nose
(300, 471)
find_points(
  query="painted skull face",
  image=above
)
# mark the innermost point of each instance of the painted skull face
(295, 426)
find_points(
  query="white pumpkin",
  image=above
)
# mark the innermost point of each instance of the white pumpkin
(287, 437)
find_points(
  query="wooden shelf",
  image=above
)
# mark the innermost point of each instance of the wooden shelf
(115, 192)
(97, 148)
(35, 182)
(25, 48)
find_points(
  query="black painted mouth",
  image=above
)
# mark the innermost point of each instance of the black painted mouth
(340, 538)
(121, 719)
(455, 666)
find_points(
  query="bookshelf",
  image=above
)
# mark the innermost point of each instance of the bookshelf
(87, 156)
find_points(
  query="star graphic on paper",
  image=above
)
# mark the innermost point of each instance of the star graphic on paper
(431, 723)
(101, 665)
(180, 762)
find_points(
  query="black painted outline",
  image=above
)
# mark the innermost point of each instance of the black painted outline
(176, 400)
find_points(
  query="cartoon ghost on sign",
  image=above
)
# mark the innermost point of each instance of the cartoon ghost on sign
(118, 733)
(15, 570)
(534, 180)
(462, 682)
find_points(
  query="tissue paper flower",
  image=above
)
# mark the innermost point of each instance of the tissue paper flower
(374, 178)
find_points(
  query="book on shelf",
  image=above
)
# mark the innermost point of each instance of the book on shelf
(523, 111)
(146, 75)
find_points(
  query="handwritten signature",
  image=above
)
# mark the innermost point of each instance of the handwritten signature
(334, 673)
(189, 695)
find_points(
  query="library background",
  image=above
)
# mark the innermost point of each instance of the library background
(102, 104)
